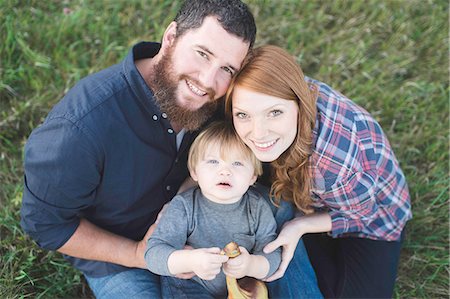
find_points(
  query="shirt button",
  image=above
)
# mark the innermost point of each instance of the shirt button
(155, 117)
(170, 131)
(164, 115)
(168, 187)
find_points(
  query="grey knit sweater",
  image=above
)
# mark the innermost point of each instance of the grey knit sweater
(194, 220)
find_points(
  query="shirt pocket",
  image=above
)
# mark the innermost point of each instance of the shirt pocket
(245, 240)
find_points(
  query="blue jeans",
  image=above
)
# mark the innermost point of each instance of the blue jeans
(130, 284)
(175, 288)
(299, 280)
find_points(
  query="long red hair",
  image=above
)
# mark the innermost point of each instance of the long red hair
(273, 71)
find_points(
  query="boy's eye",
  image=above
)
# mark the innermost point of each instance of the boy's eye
(212, 161)
(237, 163)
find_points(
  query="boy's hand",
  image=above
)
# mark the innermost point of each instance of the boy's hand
(187, 275)
(238, 267)
(207, 262)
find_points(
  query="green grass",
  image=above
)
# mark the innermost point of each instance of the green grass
(389, 56)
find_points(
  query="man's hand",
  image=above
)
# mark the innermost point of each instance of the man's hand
(142, 245)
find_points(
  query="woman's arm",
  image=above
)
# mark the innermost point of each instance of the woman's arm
(291, 233)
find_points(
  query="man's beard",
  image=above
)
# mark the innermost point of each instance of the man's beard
(165, 84)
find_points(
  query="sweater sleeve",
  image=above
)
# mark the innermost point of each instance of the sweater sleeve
(265, 233)
(170, 235)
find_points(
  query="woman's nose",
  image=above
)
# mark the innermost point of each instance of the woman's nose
(259, 130)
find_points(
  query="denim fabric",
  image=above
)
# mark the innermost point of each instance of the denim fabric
(174, 288)
(131, 284)
(299, 280)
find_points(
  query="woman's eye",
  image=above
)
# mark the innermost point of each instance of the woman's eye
(241, 115)
(275, 113)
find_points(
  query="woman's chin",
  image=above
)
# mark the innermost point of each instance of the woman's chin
(266, 157)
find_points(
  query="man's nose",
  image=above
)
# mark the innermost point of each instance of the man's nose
(208, 77)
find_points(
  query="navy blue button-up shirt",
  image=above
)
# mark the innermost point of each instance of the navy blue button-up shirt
(104, 153)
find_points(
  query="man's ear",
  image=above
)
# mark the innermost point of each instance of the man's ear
(169, 35)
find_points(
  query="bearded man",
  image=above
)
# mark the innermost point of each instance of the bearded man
(113, 151)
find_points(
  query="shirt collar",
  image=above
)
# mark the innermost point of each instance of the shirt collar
(136, 82)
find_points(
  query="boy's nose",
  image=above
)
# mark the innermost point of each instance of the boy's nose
(225, 171)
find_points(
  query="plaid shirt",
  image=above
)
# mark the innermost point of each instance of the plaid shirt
(357, 178)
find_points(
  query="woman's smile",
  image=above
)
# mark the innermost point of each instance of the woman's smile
(267, 124)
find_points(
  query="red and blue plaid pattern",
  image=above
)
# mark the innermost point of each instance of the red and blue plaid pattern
(357, 178)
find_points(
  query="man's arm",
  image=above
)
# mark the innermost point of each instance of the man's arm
(94, 243)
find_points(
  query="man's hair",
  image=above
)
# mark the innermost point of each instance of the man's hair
(222, 134)
(233, 15)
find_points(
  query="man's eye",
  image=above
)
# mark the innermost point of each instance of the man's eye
(202, 54)
(228, 70)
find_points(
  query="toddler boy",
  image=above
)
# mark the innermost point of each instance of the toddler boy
(220, 210)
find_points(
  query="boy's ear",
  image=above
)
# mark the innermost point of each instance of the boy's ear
(193, 175)
(253, 179)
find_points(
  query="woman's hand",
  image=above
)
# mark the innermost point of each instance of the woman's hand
(291, 232)
(288, 239)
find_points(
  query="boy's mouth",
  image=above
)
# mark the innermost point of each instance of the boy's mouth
(224, 184)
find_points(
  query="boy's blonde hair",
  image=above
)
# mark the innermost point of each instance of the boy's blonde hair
(221, 133)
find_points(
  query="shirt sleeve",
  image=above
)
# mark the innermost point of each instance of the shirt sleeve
(352, 200)
(265, 233)
(170, 235)
(62, 172)
(352, 206)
